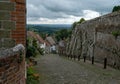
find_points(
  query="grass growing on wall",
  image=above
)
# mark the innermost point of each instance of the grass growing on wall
(116, 33)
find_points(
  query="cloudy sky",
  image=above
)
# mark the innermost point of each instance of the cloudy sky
(66, 11)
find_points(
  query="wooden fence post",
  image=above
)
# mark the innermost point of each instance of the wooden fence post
(84, 56)
(78, 58)
(105, 63)
(92, 59)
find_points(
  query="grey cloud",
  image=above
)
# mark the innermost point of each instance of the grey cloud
(60, 8)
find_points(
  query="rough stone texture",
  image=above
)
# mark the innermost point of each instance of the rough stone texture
(0, 25)
(12, 22)
(7, 6)
(8, 25)
(12, 32)
(7, 43)
(95, 38)
(5, 0)
(12, 65)
(4, 34)
(12, 51)
(4, 15)
(54, 69)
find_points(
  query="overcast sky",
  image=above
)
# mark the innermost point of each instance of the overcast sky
(66, 11)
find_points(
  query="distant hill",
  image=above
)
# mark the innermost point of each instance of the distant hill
(47, 28)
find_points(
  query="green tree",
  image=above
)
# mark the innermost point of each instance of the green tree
(31, 51)
(116, 8)
(43, 34)
(74, 25)
(31, 48)
(35, 43)
(62, 34)
(69, 33)
(79, 22)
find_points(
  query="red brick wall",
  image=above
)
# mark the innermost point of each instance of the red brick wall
(12, 70)
(19, 16)
(12, 32)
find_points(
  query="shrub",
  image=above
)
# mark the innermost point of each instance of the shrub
(79, 22)
(31, 51)
(32, 77)
(116, 8)
(116, 33)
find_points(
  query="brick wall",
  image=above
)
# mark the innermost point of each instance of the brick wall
(12, 23)
(12, 65)
(12, 32)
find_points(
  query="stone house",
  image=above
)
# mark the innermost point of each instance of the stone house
(52, 43)
(40, 42)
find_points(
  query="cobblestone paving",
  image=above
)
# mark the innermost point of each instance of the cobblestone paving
(54, 69)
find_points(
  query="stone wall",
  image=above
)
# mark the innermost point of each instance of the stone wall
(95, 38)
(12, 65)
(12, 22)
(12, 33)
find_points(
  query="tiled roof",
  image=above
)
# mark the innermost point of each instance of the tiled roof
(31, 34)
(50, 40)
(39, 38)
(47, 43)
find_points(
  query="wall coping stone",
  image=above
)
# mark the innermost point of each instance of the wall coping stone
(12, 51)
(100, 18)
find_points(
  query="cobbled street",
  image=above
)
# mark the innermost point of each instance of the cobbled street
(54, 69)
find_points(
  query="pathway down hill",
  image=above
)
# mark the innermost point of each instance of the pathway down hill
(54, 69)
